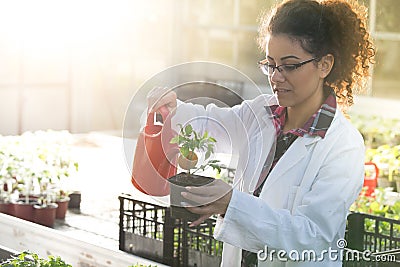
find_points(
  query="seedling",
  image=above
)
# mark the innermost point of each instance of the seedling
(191, 143)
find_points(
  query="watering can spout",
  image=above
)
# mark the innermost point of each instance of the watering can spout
(155, 157)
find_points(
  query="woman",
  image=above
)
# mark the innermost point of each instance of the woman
(292, 213)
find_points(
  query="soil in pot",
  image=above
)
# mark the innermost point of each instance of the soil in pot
(45, 214)
(178, 184)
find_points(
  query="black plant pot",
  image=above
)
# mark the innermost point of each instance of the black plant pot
(75, 200)
(178, 184)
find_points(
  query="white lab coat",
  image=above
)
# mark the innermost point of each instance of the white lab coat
(305, 200)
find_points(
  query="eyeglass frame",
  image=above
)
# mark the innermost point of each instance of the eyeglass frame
(265, 67)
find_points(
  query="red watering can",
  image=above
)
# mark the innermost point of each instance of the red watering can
(155, 158)
(371, 177)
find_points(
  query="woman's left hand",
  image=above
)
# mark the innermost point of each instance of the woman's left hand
(213, 198)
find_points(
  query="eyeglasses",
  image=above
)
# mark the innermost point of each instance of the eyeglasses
(269, 69)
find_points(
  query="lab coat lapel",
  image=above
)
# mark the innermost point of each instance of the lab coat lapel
(265, 139)
(297, 151)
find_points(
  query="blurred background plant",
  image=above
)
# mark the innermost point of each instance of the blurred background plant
(382, 203)
(36, 163)
(382, 141)
(377, 131)
(387, 158)
(27, 259)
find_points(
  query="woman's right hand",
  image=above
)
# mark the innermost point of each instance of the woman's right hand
(161, 96)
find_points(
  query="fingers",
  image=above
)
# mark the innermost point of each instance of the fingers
(215, 186)
(202, 196)
(213, 198)
(207, 193)
(205, 209)
(199, 199)
(200, 220)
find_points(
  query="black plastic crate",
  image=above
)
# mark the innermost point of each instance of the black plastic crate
(376, 234)
(148, 230)
(6, 253)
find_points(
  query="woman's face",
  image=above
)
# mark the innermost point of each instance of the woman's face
(294, 87)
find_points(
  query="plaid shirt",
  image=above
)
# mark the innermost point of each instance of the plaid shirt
(316, 125)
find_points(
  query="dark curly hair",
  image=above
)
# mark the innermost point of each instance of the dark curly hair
(336, 27)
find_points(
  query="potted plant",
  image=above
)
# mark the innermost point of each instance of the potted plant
(22, 205)
(27, 259)
(191, 145)
(44, 212)
(32, 185)
(38, 162)
(12, 165)
(5, 195)
(58, 165)
(62, 200)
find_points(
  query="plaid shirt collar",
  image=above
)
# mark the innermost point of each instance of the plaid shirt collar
(316, 125)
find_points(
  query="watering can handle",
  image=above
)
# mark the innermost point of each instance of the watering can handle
(163, 110)
(375, 166)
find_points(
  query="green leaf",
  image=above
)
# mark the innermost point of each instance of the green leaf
(190, 145)
(183, 140)
(188, 129)
(196, 143)
(76, 165)
(202, 144)
(184, 151)
(216, 167)
(189, 140)
(175, 140)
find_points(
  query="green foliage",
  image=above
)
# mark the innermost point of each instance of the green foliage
(377, 204)
(189, 141)
(35, 162)
(387, 158)
(28, 259)
(376, 130)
